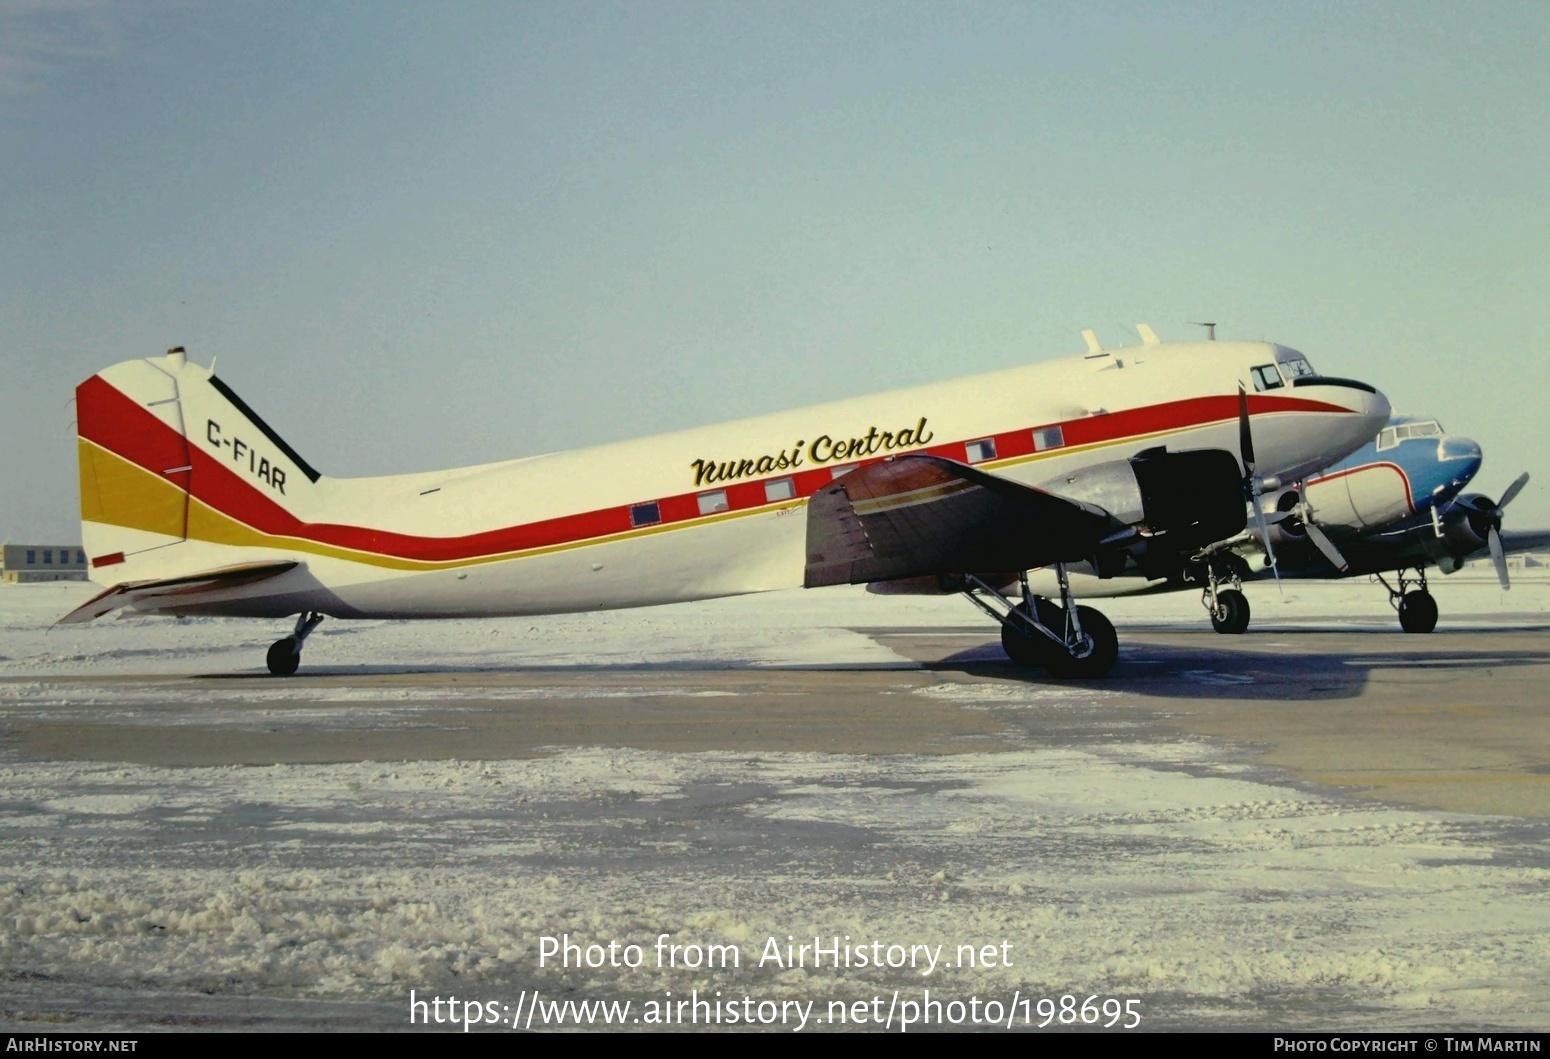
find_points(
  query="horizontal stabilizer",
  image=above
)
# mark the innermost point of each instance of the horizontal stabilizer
(132, 592)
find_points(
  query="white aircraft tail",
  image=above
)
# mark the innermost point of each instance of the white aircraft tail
(176, 470)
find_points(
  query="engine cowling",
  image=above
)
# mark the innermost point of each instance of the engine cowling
(1178, 502)
(1467, 523)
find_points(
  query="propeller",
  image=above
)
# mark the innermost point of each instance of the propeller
(1485, 520)
(1253, 485)
(1320, 539)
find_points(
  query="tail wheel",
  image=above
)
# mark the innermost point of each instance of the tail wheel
(283, 657)
(1094, 656)
(1232, 612)
(1418, 611)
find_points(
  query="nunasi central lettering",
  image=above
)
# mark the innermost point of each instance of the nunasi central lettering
(825, 448)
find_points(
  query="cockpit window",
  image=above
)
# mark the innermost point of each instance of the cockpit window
(1391, 436)
(1296, 368)
(1266, 377)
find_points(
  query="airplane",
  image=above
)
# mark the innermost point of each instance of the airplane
(1394, 505)
(1130, 458)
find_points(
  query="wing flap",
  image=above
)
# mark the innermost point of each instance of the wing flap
(132, 592)
(915, 516)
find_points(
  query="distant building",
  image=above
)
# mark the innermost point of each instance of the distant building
(42, 562)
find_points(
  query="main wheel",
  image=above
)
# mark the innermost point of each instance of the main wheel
(1095, 655)
(1030, 649)
(1232, 611)
(1418, 611)
(283, 657)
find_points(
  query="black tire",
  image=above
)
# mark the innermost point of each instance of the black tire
(283, 658)
(1418, 611)
(1033, 649)
(1100, 647)
(1023, 647)
(1232, 612)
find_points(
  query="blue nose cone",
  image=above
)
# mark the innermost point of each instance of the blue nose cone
(1438, 476)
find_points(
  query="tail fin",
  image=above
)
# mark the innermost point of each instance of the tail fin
(171, 462)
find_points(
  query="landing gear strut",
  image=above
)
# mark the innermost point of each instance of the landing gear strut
(1228, 607)
(285, 655)
(1417, 609)
(1070, 641)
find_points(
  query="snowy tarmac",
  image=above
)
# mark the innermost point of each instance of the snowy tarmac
(1322, 824)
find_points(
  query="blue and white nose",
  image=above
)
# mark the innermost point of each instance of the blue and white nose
(1456, 461)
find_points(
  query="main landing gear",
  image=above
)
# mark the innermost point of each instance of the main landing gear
(1228, 607)
(285, 655)
(1069, 641)
(1417, 609)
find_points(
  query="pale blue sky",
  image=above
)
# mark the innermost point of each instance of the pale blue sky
(422, 235)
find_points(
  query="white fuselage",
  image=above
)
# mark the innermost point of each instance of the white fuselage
(640, 522)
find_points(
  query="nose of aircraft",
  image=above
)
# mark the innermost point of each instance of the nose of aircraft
(1451, 447)
(1458, 459)
(1347, 433)
(1375, 411)
(1368, 402)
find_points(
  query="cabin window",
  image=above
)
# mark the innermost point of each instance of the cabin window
(1266, 377)
(779, 489)
(712, 502)
(836, 472)
(1048, 438)
(48, 557)
(32, 557)
(645, 514)
(980, 451)
(80, 557)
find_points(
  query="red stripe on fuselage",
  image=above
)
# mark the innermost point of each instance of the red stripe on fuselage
(109, 418)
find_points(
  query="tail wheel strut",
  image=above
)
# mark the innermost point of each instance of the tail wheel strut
(284, 656)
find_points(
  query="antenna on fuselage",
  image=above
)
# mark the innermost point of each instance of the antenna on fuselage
(1210, 329)
(1094, 348)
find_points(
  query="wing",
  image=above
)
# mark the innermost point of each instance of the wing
(914, 516)
(1514, 541)
(132, 592)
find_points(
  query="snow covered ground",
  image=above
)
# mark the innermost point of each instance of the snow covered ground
(1143, 866)
(779, 628)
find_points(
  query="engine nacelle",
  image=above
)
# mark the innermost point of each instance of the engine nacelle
(1178, 502)
(1360, 498)
(1466, 524)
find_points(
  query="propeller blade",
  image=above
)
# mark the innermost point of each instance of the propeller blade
(1499, 558)
(1513, 490)
(1270, 554)
(1245, 435)
(1327, 546)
